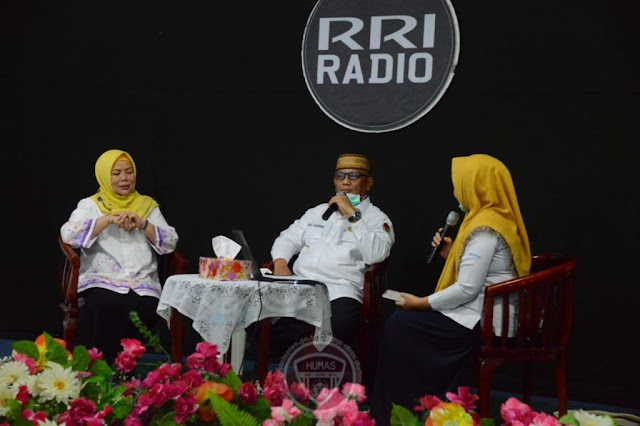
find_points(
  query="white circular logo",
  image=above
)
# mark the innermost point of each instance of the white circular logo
(379, 65)
(329, 368)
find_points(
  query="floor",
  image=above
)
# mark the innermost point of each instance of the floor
(538, 403)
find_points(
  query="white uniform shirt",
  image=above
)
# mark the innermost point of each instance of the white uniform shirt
(117, 260)
(486, 260)
(335, 251)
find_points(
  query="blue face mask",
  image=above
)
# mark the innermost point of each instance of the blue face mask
(354, 198)
(461, 207)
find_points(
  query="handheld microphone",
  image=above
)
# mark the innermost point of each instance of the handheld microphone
(332, 208)
(452, 220)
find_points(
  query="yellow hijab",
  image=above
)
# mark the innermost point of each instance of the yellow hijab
(108, 201)
(484, 187)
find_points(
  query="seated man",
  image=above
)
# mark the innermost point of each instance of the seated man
(338, 249)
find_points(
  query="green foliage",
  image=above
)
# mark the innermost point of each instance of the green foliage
(261, 410)
(81, 358)
(27, 348)
(229, 414)
(402, 416)
(487, 422)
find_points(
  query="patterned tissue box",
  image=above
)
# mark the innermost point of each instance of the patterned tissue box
(224, 269)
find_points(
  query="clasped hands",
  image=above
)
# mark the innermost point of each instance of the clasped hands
(126, 220)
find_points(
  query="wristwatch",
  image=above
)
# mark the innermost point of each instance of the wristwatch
(355, 217)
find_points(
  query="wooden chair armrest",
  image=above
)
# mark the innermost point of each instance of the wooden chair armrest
(69, 271)
(179, 265)
(375, 283)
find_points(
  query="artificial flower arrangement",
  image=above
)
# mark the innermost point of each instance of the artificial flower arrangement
(44, 384)
(459, 409)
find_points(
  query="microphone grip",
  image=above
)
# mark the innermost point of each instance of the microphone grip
(436, 250)
(327, 214)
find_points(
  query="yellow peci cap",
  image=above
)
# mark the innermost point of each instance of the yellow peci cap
(352, 161)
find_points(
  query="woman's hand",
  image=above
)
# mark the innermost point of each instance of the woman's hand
(412, 302)
(437, 239)
(128, 221)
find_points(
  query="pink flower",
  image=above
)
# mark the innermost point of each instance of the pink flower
(275, 394)
(185, 407)
(300, 392)
(274, 377)
(126, 361)
(222, 369)
(34, 417)
(358, 418)
(427, 402)
(23, 394)
(132, 420)
(80, 409)
(542, 419)
(195, 361)
(286, 412)
(512, 411)
(329, 405)
(192, 378)
(354, 391)
(464, 398)
(28, 361)
(94, 354)
(133, 346)
(207, 349)
(248, 393)
(131, 386)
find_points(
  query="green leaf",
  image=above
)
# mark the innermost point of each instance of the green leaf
(233, 381)
(229, 414)
(101, 368)
(569, 419)
(26, 347)
(21, 422)
(487, 422)
(55, 351)
(81, 358)
(303, 419)
(121, 409)
(401, 416)
(261, 410)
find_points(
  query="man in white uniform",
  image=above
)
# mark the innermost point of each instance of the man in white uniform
(335, 247)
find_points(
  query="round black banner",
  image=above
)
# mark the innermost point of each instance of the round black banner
(379, 65)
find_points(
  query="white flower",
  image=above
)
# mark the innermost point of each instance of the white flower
(588, 419)
(14, 374)
(48, 422)
(6, 393)
(58, 383)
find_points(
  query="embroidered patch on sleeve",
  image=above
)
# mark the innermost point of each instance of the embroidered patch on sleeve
(386, 227)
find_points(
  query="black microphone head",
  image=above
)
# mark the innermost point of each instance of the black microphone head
(452, 218)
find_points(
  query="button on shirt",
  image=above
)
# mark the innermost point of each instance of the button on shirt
(336, 252)
(115, 259)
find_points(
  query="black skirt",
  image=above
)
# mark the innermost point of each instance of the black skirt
(422, 352)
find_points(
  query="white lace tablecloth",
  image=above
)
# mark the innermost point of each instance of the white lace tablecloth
(218, 308)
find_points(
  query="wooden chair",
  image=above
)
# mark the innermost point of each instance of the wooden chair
(170, 264)
(375, 283)
(544, 319)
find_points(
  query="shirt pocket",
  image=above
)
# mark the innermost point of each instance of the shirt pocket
(312, 235)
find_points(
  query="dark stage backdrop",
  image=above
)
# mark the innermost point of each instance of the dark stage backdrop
(210, 100)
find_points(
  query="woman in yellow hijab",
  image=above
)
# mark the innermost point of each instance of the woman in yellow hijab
(118, 231)
(426, 343)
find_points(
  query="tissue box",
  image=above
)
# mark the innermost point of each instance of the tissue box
(224, 269)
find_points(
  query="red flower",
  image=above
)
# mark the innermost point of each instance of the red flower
(248, 393)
